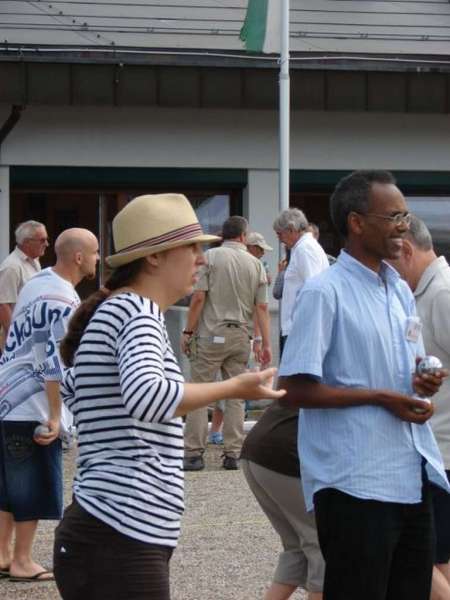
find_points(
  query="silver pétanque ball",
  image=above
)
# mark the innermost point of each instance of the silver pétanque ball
(41, 430)
(428, 365)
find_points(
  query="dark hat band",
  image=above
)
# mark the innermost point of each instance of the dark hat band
(182, 233)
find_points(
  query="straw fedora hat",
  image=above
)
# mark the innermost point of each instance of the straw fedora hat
(154, 223)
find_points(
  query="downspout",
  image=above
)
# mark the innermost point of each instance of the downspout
(11, 121)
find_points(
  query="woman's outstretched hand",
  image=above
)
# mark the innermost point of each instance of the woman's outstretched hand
(256, 385)
(252, 385)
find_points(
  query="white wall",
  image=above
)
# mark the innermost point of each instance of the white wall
(4, 212)
(226, 139)
(200, 138)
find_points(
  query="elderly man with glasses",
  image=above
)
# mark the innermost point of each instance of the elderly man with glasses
(307, 259)
(18, 267)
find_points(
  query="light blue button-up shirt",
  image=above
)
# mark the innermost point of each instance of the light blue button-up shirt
(349, 330)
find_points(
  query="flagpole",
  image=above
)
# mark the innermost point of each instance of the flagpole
(284, 108)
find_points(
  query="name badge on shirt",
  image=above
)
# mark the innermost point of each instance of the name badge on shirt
(217, 339)
(413, 329)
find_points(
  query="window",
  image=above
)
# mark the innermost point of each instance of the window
(95, 210)
(435, 212)
(211, 211)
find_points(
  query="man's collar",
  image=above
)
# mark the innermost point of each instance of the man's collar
(235, 245)
(303, 237)
(387, 273)
(25, 258)
(22, 254)
(427, 276)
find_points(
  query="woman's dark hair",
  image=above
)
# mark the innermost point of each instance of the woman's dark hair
(120, 277)
(352, 195)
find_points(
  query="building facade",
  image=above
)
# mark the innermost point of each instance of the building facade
(100, 102)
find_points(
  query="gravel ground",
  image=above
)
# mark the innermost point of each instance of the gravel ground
(227, 549)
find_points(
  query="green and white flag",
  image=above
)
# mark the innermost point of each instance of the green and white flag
(261, 29)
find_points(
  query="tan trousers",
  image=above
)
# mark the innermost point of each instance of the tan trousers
(300, 563)
(208, 359)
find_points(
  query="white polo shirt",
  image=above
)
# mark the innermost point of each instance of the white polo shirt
(307, 259)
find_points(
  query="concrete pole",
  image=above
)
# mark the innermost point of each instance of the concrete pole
(284, 109)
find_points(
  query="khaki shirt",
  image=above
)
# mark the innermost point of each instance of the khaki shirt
(15, 271)
(234, 281)
(432, 296)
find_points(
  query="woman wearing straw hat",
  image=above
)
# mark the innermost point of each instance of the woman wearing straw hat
(127, 395)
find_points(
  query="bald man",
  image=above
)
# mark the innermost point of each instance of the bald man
(30, 372)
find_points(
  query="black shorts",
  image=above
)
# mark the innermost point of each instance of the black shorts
(93, 561)
(441, 509)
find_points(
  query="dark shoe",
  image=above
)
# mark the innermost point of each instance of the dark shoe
(193, 463)
(230, 463)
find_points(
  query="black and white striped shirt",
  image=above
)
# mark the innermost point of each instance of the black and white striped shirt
(123, 391)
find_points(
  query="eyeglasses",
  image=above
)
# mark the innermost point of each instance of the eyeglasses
(398, 219)
(39, 240)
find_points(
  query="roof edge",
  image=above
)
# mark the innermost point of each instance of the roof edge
(224, 59)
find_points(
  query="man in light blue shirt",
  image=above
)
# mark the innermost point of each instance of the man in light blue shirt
(367, 452)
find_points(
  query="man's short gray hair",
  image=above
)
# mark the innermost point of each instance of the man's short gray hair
(26, 230)
(419, 234)
(291, 218)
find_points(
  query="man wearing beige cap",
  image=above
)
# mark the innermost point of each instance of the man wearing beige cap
(257, 246)
(232, 286)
